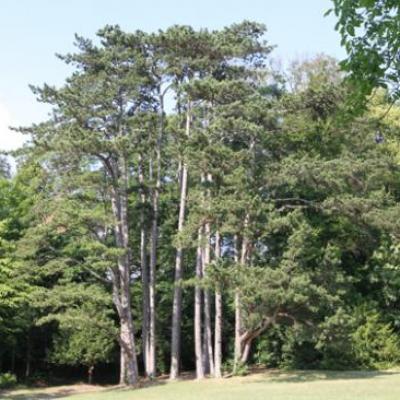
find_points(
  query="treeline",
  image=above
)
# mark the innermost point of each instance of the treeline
(188, 206)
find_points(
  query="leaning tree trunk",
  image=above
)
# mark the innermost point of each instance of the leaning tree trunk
(248, 336)
(198, 311)
(177, 301)
(218, 316)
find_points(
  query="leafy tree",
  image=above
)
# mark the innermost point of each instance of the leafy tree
(369, 31)
(86, 334)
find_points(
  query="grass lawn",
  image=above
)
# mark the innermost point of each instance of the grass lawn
(271, 385)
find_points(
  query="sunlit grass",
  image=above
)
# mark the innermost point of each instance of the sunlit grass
(311, 385)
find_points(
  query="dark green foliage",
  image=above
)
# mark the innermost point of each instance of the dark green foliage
(375, 343)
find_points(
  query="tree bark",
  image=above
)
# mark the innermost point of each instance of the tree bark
(144, 270)
(128, 342)
(207, 305)
(239, 346)
(122, 367)
(238, 324)
(153, 245)
(198, 312)
(247, 337)
(121, 275)
(218, 317)
(177, 301)
(246, 351)
(90, 374)
(28, 355)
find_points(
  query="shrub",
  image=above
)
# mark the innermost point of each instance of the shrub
(375, 344)
(240, 370)
(7, 380)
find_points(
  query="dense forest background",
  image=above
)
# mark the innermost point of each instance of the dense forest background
(190, 205)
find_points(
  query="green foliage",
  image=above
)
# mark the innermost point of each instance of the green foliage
(81, 346)
(303, 198)
(369, 31)
(334, 338)
(240, 369)
(375, 343)
(7, 380)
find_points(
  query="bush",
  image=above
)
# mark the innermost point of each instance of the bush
(7, 380)
(241, 369)
(375, 344)
(357, 338)
(268, 347)
(335, 341)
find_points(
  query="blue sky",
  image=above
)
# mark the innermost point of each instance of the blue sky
(32, 31)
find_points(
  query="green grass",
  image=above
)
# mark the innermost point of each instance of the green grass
(310, 385)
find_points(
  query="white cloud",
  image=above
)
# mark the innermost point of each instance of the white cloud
(9, 140)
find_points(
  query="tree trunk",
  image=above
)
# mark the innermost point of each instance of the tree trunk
(177, 301)
(151, 365)
(128, 342)
(127, 328)
(13, 355)
(218, 317)
(246, 351)
(122, 365)
(198, 312)
(90, 374)
(247, 337)
(207, 305)
(144, 271)
(239, 347)
(153, 249)
(121, 276)
(238, 324)
(28, 355)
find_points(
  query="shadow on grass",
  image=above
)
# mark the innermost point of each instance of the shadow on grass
(39, 394)
(310, 376)
(36, 395)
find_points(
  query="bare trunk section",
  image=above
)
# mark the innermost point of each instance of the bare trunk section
(122, 367)
(121, 276)
(218, 317)
(151, 364)
(28, 355)
(144, 270)
(238, 319)
(243, 350)
(90, 374)
(127, 340)
(198, 312)
(246, 351)
(207, 305)
(177, 301)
